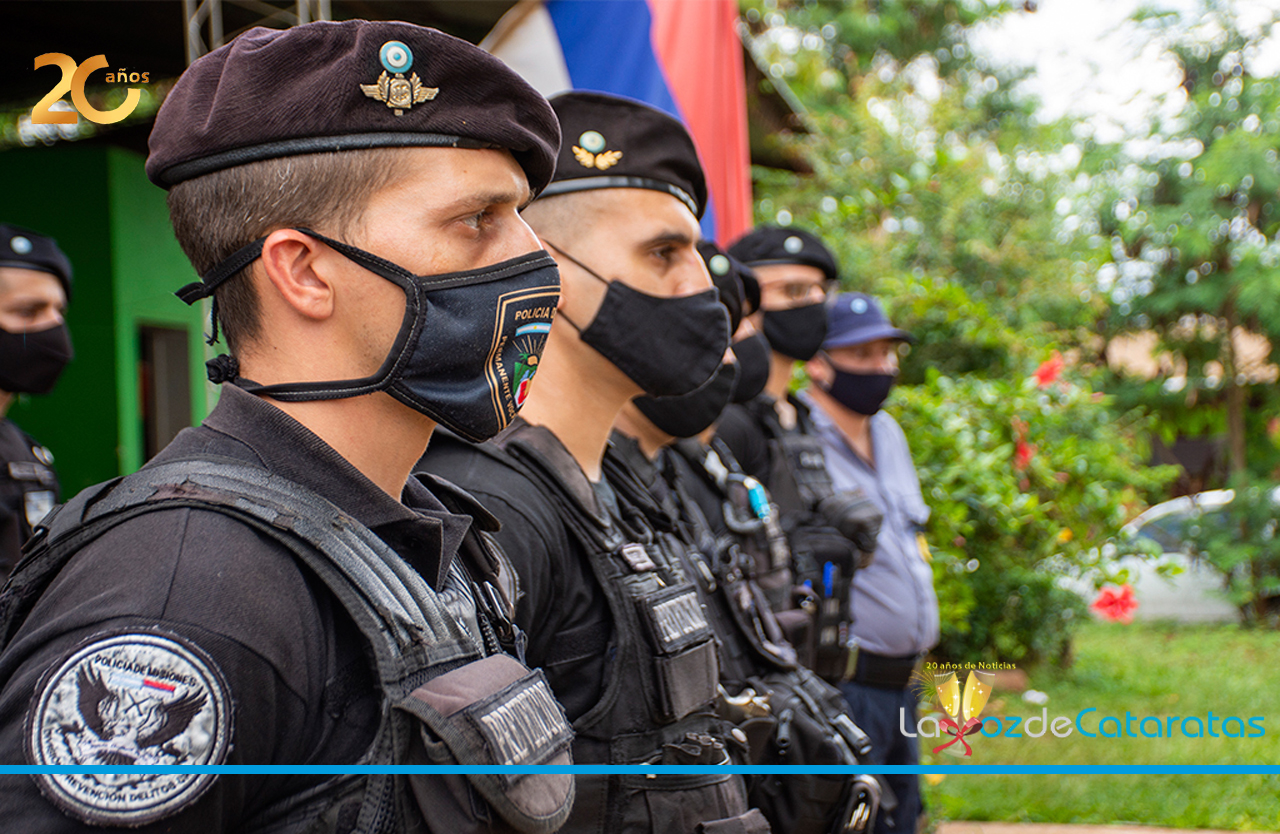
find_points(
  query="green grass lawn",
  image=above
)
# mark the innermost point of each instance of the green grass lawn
(1158, 670)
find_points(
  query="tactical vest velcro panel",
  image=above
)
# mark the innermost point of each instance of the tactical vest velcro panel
(418, 643)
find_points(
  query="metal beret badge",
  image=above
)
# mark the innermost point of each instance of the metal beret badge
(399, 93)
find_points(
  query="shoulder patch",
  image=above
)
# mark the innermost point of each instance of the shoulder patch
(134, 699)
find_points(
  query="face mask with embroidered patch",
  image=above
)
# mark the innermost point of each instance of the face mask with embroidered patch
(467, 348)
(669, 346)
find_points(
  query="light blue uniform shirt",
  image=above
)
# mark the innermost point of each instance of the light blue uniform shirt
(895, 610)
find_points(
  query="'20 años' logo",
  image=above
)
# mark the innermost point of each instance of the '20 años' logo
(73, 81)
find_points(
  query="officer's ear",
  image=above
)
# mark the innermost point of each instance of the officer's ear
(301, 269)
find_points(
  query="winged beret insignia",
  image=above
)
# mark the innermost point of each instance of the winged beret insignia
(392, 88)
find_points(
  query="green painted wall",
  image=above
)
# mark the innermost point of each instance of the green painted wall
(113, 225)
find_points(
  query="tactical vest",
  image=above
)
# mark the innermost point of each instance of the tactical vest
(29, 487)
(657, 703)
(449, 696)
(823, 559)
(788, 715)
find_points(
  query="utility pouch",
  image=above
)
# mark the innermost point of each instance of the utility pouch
(806, 724)
(492, 712)
(685, 663)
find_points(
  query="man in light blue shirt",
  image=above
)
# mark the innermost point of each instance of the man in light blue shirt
(894, 610)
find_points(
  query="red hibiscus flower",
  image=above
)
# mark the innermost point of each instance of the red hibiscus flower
(1116, 605)
(1049, 370)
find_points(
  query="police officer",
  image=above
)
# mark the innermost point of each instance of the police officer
(893, 604)
(788, 714)
(274, 588)
(829, 531)
(35, 284)
(613, 621)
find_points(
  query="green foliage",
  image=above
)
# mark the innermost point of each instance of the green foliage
(1026, 483)
(1240, 540)
(941, 194)
(1192, 230)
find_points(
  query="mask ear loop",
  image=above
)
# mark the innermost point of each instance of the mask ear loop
(580, 265)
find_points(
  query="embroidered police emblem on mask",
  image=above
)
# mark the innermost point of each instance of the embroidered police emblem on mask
(517, 346)
(396, 91)
(129, 700)
(590, 152)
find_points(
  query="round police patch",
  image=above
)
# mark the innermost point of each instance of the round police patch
(858, 305)
(793, 245)
(20, 245)
(719, 265)
(129, 700)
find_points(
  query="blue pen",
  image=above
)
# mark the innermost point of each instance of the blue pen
(829, 578)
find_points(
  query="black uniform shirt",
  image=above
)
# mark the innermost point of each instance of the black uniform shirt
(28, 490)
(561, 606)
(741, 430)
(298, 670)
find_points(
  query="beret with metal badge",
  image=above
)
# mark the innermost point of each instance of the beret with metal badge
(765, 245)
(616, 142)
(24, 249)
(349, 85)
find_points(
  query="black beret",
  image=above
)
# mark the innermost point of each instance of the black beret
(24, 249)
(357, 84)
(766, 245)
(734, 280)
(615, 142)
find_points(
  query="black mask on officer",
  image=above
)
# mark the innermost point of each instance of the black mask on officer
(689, 415)
(669, 346)
(861, 393)
(754, 357)
(467, 347)
(31, 362)
(799, 332)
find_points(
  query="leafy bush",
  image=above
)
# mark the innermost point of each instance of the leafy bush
(1028, 479)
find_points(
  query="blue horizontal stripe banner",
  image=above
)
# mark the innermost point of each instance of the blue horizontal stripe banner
(994, 770)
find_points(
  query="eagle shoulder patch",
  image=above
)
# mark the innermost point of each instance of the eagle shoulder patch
(129, 700)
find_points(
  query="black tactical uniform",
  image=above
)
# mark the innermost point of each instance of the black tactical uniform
(250, 596)
(28, 490)
(615, 624)
(273, 639)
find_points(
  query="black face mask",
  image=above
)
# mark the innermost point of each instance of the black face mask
(689, 415)
(798, 332)
(667, 346)
(754, 363)
(863, 393)
(467, 348)
(31, 362)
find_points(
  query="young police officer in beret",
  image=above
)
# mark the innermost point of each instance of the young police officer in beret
(612, 620)
(35, 284)
(773, 438)
(274, 588)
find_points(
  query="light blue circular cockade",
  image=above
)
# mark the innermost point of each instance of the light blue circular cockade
(591, 141)
(395, 57)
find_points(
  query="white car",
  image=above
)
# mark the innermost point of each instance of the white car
(1196, 594)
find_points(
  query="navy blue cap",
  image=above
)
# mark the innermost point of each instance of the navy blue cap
(855, 318)
(25, 249)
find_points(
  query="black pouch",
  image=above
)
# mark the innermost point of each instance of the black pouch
(492, 712)
(807, 724)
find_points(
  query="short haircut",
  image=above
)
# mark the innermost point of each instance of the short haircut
(563, 218)
(218, 213)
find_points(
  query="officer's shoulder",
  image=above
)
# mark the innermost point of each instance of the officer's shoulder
(489, 474)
